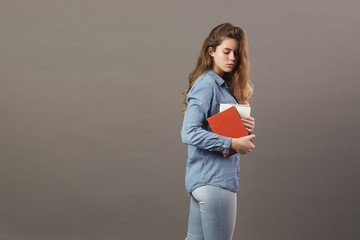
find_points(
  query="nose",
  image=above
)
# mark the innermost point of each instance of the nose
(232, 56)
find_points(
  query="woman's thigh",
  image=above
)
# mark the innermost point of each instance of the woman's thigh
(212, 213)
(194, 226)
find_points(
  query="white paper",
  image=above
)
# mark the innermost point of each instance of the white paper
(243, 110)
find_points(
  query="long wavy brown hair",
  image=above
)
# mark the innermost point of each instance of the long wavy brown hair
(239, 77)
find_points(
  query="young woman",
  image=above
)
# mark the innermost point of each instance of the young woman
(220, 76)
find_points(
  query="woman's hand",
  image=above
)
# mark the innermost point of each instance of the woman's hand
(249, 123)
(243, 145)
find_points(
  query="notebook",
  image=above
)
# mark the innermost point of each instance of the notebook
(228, 123)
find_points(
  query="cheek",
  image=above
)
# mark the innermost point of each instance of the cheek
(223, 57)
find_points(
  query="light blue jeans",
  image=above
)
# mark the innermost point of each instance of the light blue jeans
(212, 214)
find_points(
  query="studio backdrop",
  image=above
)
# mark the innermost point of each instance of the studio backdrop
(91, 112)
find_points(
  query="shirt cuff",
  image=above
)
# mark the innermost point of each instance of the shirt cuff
(226, 145)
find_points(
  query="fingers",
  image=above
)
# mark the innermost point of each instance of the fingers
(251, 146)
(248, 118)
(248, 125)
(249, 122)
(243, 145)
(249, 129)
(250, 137)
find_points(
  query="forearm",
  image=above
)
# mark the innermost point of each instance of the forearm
(201, 138)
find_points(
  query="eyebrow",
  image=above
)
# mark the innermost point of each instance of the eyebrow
(230, 49)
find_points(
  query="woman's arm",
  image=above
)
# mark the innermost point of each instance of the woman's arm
(192, 132)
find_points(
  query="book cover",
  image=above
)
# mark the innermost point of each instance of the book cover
(228, 124)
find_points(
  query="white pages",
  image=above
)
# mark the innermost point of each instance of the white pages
(243, 110)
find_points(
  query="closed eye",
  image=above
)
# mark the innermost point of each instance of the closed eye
(235, 53)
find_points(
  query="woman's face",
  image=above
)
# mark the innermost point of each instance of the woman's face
(225, 56)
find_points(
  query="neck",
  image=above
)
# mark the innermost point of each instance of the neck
(218, 71)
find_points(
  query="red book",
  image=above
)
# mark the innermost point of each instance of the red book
(228, 124)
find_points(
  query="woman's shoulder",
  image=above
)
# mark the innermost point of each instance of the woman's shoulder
(205, 80)
(204, 85)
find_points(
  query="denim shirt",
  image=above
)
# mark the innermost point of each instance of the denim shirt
(206, 163)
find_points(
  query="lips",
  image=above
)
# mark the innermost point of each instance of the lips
(230, 65)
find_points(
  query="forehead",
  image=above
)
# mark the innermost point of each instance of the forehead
(230, 43)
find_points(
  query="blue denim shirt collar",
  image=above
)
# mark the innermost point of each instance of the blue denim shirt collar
(217, 78)
(220, 81)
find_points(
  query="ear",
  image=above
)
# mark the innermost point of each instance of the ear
(211, 51)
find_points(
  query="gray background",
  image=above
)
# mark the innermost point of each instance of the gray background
(90, 104)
